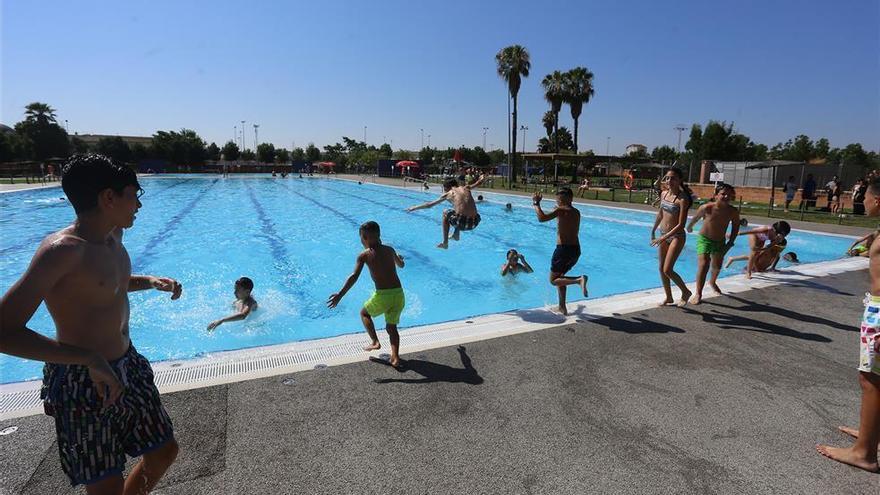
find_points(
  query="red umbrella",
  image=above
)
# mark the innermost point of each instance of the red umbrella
(457, 156)
(327, 164)
(407, 163)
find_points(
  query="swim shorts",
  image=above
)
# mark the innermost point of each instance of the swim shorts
(869, 338)
(461, 222)
(389, 302)
(565, 257)
(709, 246)
(93, 440)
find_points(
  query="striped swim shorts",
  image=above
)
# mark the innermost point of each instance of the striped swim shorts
(93, 440)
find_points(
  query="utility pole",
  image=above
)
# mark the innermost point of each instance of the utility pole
(680, 128)
(484, 137)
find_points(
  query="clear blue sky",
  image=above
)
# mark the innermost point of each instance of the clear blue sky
(314, 71)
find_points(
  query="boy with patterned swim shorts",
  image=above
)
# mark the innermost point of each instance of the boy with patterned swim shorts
(711, 247)
(97, 387)
(388, 299)
(863, 453)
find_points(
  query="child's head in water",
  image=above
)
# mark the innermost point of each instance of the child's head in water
(743, 222)
(512, 256)
(564, 196)
(508, 207)
(370, 234)
(791, 257)
(480, 197)
(243, 288)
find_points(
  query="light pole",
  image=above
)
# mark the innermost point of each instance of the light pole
(679, 128)
(429, 140)
(242, 136)
(484, 137)
(365, 134)
(256, 141)
(524, 128)
(422, 131)
(66, 128)
(235, 134)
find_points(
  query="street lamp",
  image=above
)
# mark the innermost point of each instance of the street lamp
(66, 128)
(524, 128)
(429, 140)
(422, 132)
(235, 134)
(256, 141)
(365, 134)
(242, 136)
(484, 137)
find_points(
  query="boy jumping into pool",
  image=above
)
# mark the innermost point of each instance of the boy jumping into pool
(388, 298)
(95, 384)
(711, 248)
(863, 453)
(568, 246)
(462, 216)
(244, 303)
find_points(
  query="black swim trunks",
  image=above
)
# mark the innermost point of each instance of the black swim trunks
(461, 222)
(93, 441)
(564, 258)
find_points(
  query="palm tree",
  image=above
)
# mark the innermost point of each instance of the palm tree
(40, 113)
(513, 64)
(554, 93)
(548, 120)
(578, 91)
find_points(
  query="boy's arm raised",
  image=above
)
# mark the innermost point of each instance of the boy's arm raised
(334, 299)
(542, 217)
(18, 305)
(476, 183)
(429, 204)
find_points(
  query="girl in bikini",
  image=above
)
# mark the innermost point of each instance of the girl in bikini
(675, 201)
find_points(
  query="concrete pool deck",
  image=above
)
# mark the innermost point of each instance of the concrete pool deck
(727, 397)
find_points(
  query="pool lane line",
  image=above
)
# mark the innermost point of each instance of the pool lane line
(148, 252)
(283, 263)
(444, 272)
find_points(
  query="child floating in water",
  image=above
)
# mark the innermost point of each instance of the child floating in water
(711, 247)
(388, 298)
(516, 263)
(244, 303)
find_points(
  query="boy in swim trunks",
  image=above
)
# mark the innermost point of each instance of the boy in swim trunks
(568, 246)
(95, 384)
(711, 247)
(462, 216)
(388, 298)
(863, 453)
(244, 303)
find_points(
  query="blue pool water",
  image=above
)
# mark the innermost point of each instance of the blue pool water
(298, 238)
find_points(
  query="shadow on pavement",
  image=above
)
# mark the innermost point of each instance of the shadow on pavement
(635, 325)
(435, 372)
(734, 322)
(795, 316)
(812, 284)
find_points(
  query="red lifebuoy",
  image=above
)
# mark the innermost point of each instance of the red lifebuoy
(628, 182)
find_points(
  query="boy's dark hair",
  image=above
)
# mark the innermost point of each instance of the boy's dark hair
(370, 227)
(450, 183)
(782, 227)
(873, 182)
(511, 251)
(723, 186)
(84, 176)
(565, 191)
(743, 222)
(245, 283)
(480, 197)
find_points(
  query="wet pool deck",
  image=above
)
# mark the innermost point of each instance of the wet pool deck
(728, 397)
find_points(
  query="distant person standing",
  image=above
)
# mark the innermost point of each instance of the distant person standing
(858, 197)
(790, 189)
(830, 186)
(808, 192)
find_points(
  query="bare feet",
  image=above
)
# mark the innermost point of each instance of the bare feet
(848, 456)
(443, 245)
(849, 431)
(685, 295)
(715, 288)
(696, 300)
(666, 302)
(583, 284)
(372, 347)
(563, 310)
(394, 361)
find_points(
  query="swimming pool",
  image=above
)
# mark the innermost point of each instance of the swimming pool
(298, 238)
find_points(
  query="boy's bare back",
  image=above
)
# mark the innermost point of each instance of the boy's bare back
(874, 268)
(86, 290)
(382, 262)
(568, 220)
(717, 218)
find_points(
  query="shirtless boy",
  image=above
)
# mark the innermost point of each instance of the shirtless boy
(95, 384)
(711, 248)
(463, 215)
(863, 453)
(568, 246)
(244, 303)
(388, 299)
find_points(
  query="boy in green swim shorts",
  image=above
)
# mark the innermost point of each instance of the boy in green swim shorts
(711, 247)
(388, 298)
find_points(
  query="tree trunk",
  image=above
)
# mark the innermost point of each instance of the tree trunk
(574, 170)
(513, 140)
(556, 131)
